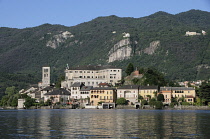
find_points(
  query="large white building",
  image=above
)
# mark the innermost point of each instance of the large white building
(91, 75)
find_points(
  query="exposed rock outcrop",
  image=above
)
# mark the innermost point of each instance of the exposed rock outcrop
(151, 49)
(56, 40)
(121, 50)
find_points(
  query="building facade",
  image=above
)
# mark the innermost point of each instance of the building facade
(148, 92)
(188, 93)
(92, 75)
(102, 94)
(129, 92)
(57, 95)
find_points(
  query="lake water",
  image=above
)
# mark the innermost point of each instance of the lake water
(98, 123)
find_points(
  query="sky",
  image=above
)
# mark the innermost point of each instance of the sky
(31, 13)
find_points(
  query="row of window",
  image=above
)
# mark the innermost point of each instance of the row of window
(145, 91)
(100, 92)
(76, 71)
(84, 92)
(81, 92)
(92, 77)
(101, 97)
(181, 91)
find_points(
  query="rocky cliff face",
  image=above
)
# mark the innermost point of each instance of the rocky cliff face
(120, 51)
(151, 49)
(56, 40)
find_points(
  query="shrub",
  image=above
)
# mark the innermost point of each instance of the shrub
(144, 102)
(185, 103)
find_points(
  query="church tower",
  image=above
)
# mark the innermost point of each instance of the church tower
(45, 76)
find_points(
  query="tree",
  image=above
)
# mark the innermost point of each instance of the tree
(204, 93)
(144, 102)
(29, 102)
(152, 102)
(149, 96)
(58, 83)
(140, 98)
(153, 77)
(135, 80)
(129, 69)
(10, 91)
(155, 94)
(48, 102)
(121, 101)
(160, 97)
(158, 105)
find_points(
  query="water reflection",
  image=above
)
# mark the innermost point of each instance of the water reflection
(104, 124)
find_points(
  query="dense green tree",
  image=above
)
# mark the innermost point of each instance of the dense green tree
(129, 69)
(29, 102)
(121, 101)
(60, 79)
(204, 93)
(160, 97)
(153, 77)
(158, 105)
(4, 100)
(144, 102)
(10, 91)
(152, 102)
(10, 98)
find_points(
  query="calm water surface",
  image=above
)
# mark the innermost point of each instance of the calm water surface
(96, 123)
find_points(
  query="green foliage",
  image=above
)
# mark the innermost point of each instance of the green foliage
(177, 57)
(136, 81)
(172, 105)
(158, 105)
(129, 69)
(140, 97)
(100, 102)
(160, 97)
(17, 81)
(29, 102)
(48, 102)
(144, 102)
(153, 77)
(10, 91)
(152, 102)
(185, 103)
(174, 100)
(58, 83)
(10, 98)
(121, 101)
(204, 93)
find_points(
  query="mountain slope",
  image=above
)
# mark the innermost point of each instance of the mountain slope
(156, 41)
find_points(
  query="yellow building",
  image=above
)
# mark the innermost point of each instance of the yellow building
(148, 92)
(188, 93)
(102, 94)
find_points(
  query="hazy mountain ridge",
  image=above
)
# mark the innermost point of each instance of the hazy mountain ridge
(177, 55)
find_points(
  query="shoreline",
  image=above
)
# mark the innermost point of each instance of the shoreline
(119, 107)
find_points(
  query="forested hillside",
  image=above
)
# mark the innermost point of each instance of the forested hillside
(156, 41)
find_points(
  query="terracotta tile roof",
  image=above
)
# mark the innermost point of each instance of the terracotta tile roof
(86, 88)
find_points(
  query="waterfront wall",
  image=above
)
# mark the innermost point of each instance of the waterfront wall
(181, 107)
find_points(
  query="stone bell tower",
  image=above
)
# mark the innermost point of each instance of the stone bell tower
(45, 76)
